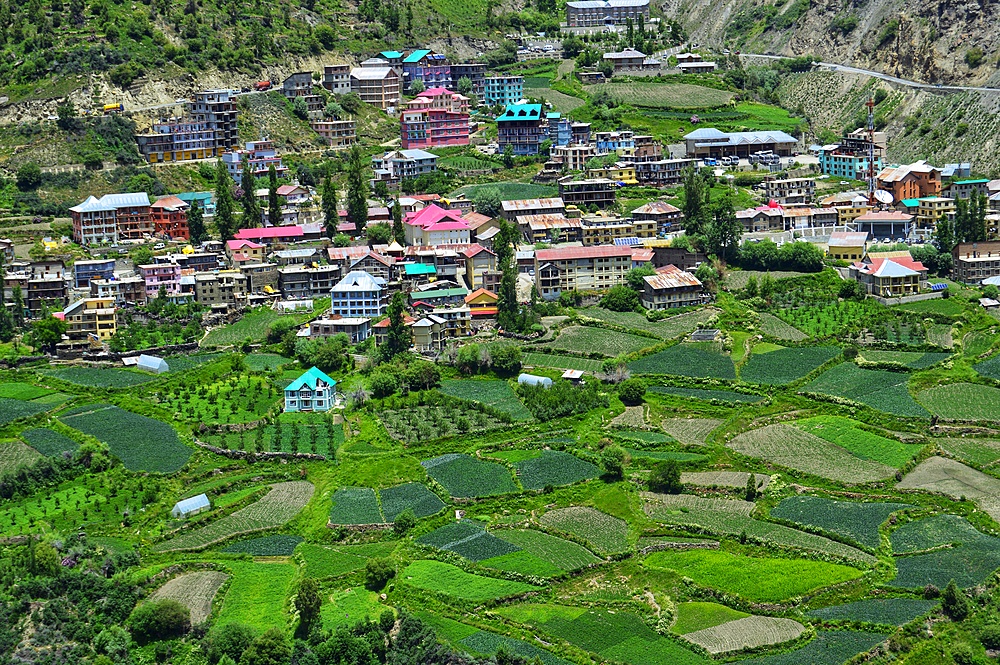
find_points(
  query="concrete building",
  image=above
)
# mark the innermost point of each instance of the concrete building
(209, 129)
(378, 86)
(359, 294)
(337, 79)
(619, 172)
(436, 118)
(964, 189)
(430, 68)
(910, 181)
(503, 90)
(671, 287)
(305, 282)
(111, 218)
(790, 191)
(169, 215)
(86, 271)
(313, 391)
(124, 290)
(475, 72)
(357, 328)
(397, 165)
(225, 287)
(890, 277)
(630, 60)
(523, 128)
(599, 13)
(95, 317)
(549, 228)
(433, 226)
(513, 209)
(668, 218)
(929, 211)
(260, 154)
(976, 261)
(161, 275)
(580, 269)
(620, 142)
(573, 157)
(606, 229)
(847, 245)
(481, 270)
(599, 192)
(336, 133)
(885, 224)
(710, 142)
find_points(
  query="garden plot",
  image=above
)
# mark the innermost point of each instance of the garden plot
(663, 95)
(784, 366)
(409, 496)
(96, 377)
(49, 442)
(746, 633)
(790, 447)
(856, 521)
(831, 647)
(605, 534)
(494, 393)
(686, 360)
(312, 433)
(690, 431)
(757, 579)
(257, 595)
(555, 468)
(274, 509)
(909, 359)
(737, 479)
(726, 396)
(355, 505)
(533, 359)
(589, 339)
(665, 455)
(738, 279)
(194, 591)
(632, 416)
(774, 327)
(415, 424)
(662, 504)
(141, 443)
(23, 391)
(849, 435)
(466, 477)
(962, 401)
(883, 611)
(668, 328)
(451, 580)
(236, 399)
(981, 452)
(14, 454)
(938, 474)
(469, 539)
(879, 389)
(966, 555)
(280, 545)
(12, 409)
(324, 562)
(698, 615)
(564, 554)
(488, 644)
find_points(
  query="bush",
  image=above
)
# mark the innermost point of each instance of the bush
(378, 572)
(954, 602)
(384, 382)
(974, 57)
(613, 460)
(666, 478)
(990, 637)
(631, 391)
(231, 639)
(29, 177)
(621, 299)
(159, 620)
(562, 398)
(404, 521)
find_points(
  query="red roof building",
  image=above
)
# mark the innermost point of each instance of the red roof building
(435, 226)
(272, 234)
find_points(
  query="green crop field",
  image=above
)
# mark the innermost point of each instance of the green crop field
(665, 455)
(233, 400)
(848, 434)
(450, 580)
(22, 391)
(757, 579)
(947, 307)
(700, 615)
(463, 163)
(510, 191)
(663, 95)
(606, 534)
(644, 437)
(533, 359)
(345, 608)
(526, 563)
(257, 595)
(911, 359)
(990, 368)
(691, 431)
(774, 327)
(409, 496)
(49, 442)
(613, 635)
(930, 532)
(793, 448)
(195, 591)
(292, 433)
(971, 559)
(95, 377)
(141, 443)
(253, 327)
(686, 360)
(468, 539)
(853, 520)
(14, 454)
(323, 562)
(786, 365)
(12, 409)
(495, 393)
(488, 644)
(879, 389)
(355, 505)
(274, 509)
(588, 339)
(981, 452)
(554, 468)
(464, 476)
(563, 554)
(830, 647)
(266, 546)
(962, 401)
(884, 611)
(667, 328)
(728, 396)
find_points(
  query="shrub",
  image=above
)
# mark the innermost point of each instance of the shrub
(378, 572)
(404, 521)
(384, 382)
(159, 620)
(954, 602)
(990, 637)
(620, 299)
(29, 177)
(613, 460)
(631, 391)
(974, 57)
(666, 478)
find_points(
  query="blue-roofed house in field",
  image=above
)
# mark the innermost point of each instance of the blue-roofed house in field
(192, 506)
(313, 391)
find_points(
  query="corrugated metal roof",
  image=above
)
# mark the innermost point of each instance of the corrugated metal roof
(673, 279)
(532, 204)
(596, 252)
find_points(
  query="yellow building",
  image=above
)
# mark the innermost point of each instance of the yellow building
(930, 209)
(848, 245)
(619, 172)
(91, 316)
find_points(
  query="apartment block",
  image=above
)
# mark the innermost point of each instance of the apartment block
(209, 129)
(169, 215)
(224, 287)
(157, 275)
(357, 328)
(91, 316)
(336, 133)
(126, 290)
(260, 154)
(581, 269)
(975, 261)
(790, 191)
(305, 282)
(503, 90)
(359, 294)
(378, 86)
(85, 271)
(337, 79)
(523, 128)
(397, 165)
(111, 218)
(437, 117)
(599, 192)
(430, 68)
(474, 71)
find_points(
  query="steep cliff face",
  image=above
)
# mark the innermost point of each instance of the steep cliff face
(927, 40)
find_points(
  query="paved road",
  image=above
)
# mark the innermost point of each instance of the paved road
(879, 75)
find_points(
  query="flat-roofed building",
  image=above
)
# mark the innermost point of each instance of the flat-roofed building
(580, 269)
(336, 133)
(599, 192)
(91, 316)
(790, 191)
(599, 13)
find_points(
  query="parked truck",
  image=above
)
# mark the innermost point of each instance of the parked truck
(261, 86)
(114, 108)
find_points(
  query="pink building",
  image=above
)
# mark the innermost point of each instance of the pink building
(438, 117)
(155, 275)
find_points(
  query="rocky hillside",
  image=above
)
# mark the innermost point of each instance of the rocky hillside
(946, 41)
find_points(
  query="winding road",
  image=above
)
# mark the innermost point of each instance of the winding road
(879, 75)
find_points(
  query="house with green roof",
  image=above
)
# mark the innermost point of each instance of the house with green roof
(523, 127)
(313, 391)
(965, 189)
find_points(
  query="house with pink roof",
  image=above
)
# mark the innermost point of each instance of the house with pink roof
(437, 117)
(269, 234)
(435, 226)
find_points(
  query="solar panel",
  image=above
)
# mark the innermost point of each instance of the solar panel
(940, 286)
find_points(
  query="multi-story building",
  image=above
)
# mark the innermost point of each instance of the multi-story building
(667, 218)
(482, 303)
(434, 226)
(111, 218)
(397, 165)
(573, 157)
(378, 86)
(560, 129)
(910, 181)
(480, 267)
(337, 79)
(132, 214)
(847, 245)
(437, 117)
(85, 271)
(260, 154)
(599, 192)
(430, 68)
(621, 172)
(549, 227)
(964, 189)
(224, 287)
(125, 290)
(790, 191)
(606, 229)
(475, 72)
(599, 13)
(503, 90)
(710, 142)
(523, 128)
(95, 317)
(840, 162)
(207, 131)
(975, 261)
(357, 328)
(377, 265)
(157, 275)
(304, 282)
(621, 142)
(890, 277)
(313, 391)
(671, 287)
(169, 215)
(631, 60)
(359, 294)
(217, 108)
(929, 211)
(580, 269)
(336, 133)
(773, 217)
(885, 224)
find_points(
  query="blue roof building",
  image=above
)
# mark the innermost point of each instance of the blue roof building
(430, 68)
(522, 127)
(313, 391)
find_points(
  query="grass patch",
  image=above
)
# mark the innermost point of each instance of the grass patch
(709, 395)
(663, 95)
(564, 554)
(970, 560)
(757, 579)
(784, 366)
(450, 580)
(910, 359)
(523, 562)
(510, 191)
(495, 393)
(194, 591)
(981, 452)
(700, 615)
(945, 307)
(488, 644)
(665, 455)
(14, 454)
(962, 401)
(323, 562)
(879, 389)
(281, 545)
(465, 477)
(774, 327)
(848, 434)
(141, 443)
(605, 534)
(346, 608)
(257, 595)
(856, 521)
(97, 377)
(253, 327)
(691, 431)
(686, 360)
(667, 328)
(23, 391)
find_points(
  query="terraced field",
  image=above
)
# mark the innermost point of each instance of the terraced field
(606, 534)
(686, 360)
(746, 633)
(879, 389)
(690, 431)
(938, 474)
(962, 401)
(884, 611)
(853, 520)
(464, 476)
(784, 366)
(194, 591)
(588, 340)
